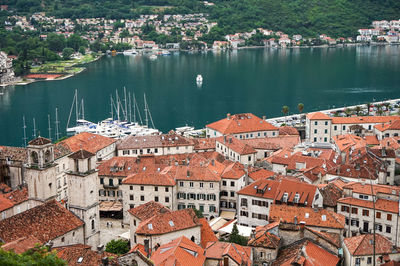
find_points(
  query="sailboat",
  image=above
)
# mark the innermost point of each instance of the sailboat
(199, 79)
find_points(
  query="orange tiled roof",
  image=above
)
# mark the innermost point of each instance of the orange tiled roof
(332, 238)
(148, 210)
(257, 174)
(39, 141)
(196, 172)
(233, 171)
(392, 125)
(71, 254)
(364, 119)
(345, 142)
(14, 153)
(391, 142)
(45, 222)
(151, 177)
(305, 252)
(361, 245)
(161, 223)
(87, 141)
(364, 188)
(218, 250)
(207, 234)
(204, 143)
(241, 123)
(263, 238)
(236, 145)
(318, 116)
(380, 204)
(273, 143)
(311, 217)
(179, 252)
(286, 130)
(22, 244)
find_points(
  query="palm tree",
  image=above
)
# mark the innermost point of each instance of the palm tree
(300, 106)
(348, 111)
(368, 106)
(285, 110)
(357, 109)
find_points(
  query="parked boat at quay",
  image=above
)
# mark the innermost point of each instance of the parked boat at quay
(130, 52)
(124, 125)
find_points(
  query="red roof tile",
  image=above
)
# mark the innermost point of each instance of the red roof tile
(241, 123)
(218, 250)
(380, 204)
(391, 125)
(362, 245)
(318, 116)
(236, 145)
(22, 244)
(151, 177)
(256, 174)
(148, 210)
(161, 223)
(87, 141)
(273, 143)
(286, 130)
(263, 238)
(45, 222)
(364, 119)
(207, 234)
(179, 252)
(80, 254)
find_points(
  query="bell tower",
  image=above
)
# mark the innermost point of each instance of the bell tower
(83, 199)
(40, 174)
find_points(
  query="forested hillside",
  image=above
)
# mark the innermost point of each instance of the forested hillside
(307, 17)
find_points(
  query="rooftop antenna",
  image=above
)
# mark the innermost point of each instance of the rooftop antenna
(57, 122)
(48, 119)
(24, 128)
(34, 128)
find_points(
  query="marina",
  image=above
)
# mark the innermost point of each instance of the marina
(259, 81)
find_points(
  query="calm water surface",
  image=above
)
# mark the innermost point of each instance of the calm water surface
(260, 81)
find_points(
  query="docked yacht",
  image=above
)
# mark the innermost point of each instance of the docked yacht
(130, 52)
(199, 79)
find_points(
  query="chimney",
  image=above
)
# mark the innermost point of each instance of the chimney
(358, 166)
(49, 245)
(228, 116)
(100, 249)
(146, 247)
(224, 139)
(230, 140)
(104, 261)
(295, 220)
(213, 162)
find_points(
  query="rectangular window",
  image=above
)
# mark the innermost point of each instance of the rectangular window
(316, 123)
(354, 210)
(201, 184)
(110, 182)
(369, 260)
(155, 188)
(244, 213)
(119, 181)
(326, 131)
(156, 199)
(166, 199)
(166, 189)
(389, 217)
(365, 212)
(232, 183)
(335, 128)
(388, 229)
(181, 183)
(101, 181)
(191, 184)
(155, 150)
(315, 131)
(232, 193)
(142, 198)
(224, 183)
(378, 215)
(326, 123)
(130, 197)
(141, 188)
(130, 187)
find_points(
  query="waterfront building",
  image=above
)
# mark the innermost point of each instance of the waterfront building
(242, 126)
(386, 130)
(321, 127)
(167, 144)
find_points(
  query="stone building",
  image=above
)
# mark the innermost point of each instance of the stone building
(6, 70)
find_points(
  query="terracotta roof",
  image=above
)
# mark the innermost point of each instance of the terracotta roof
(273, 143)
(309, 216)
(318, 116)
(218, 250)
(22, 244)
(263, 238)
(151, 178)
(371, 140)
(305, 252)
(143, 142)
(345, 142)
(39, 141)
(81, 254)
(4, 188)
(148, 210)
(204, 143)
(331, 193)
(286, 130)
(87, 141)
(367, 189)
(362, 245)
(390, 142)
(263, 188)
(207, 234)
(363, 119)
(241, 123)
(332, 238)
(236, 145)
(14, 153)
(179, 252)
(81, 154)
(5, 203)
(257, 174)
(139, 248)
(196, 172)
(45, 222)
(380, 204)
(392, 125)
(167, 222)
(391, 263)
(61, 150)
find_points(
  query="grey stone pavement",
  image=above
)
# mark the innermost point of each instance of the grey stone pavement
(110, 233)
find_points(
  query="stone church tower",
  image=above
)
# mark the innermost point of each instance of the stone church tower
(82, 193)
(40, 174)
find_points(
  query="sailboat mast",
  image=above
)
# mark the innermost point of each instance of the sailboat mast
(126, 105)
(145, 110)
(34, 128)
(83, 109)
(24, 128)
(130, 107)
(48, 119)
(76, 106)
(57, 122)
(112, 107)
(70, 111)
(134, 108)
(117, 99)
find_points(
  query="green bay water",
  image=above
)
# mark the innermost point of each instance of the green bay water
(259, 81)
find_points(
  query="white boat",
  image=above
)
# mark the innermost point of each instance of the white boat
(199, 79)
(130, 52)
(165, 52)
(153, 57)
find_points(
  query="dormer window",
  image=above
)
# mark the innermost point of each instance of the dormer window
(285, 197)
(296, 198)
(150, 226)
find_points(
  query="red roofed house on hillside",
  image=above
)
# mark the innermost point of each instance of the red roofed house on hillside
(358, 250)
(257, 199)
(180, 251)
(103, 147)
(242, 126)
(386, 130)
(236, 150)
(167, 226)
(224, 253)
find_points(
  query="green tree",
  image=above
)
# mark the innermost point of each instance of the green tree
(67, 52)
(368, 107)
(285, 111)
(117, 246)
(348, 111)
(234, 237)
(198, 213)
(82, 50)
(35, 257)
(300, 107)
(357, 109)
(55, 42)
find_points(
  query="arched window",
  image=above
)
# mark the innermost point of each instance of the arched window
(47, 156)
(34, 157)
